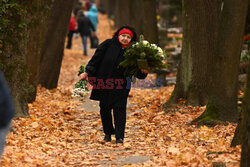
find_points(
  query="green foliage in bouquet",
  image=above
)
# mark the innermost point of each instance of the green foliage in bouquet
(81, 90)
(82, 84)
(139, 51)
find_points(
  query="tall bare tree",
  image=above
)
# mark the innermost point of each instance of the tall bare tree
(240, 130)
(122, 13)
(20, 55)
(53, 46)
(37, 23)
(148, 19)
(245, 153)
(108, 7)
(200, 31)
(21, 35)
(222, 101)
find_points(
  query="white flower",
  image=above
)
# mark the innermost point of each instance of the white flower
(144, 42)
(160, 52)
(136, 44)
(79, 92)
(154, 46)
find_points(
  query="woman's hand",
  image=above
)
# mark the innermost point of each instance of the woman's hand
(144, 71)
(83, 76)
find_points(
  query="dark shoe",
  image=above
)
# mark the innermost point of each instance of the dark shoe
(107, 138)
(119, 140)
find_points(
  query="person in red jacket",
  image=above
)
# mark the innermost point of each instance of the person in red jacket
(71, 31)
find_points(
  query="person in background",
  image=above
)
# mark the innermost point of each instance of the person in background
(88, 5)
(71, 31)
(92, 14)
(110, 87)
(84, 27)
(7, 111)
(77, 7)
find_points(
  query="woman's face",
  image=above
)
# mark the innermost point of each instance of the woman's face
(124, 39)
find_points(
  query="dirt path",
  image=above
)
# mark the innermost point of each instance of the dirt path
(114, 154)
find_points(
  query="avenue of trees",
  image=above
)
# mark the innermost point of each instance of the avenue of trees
(32, 35)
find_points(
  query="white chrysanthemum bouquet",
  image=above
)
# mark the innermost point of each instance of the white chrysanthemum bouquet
(142, 55)
(81, 88)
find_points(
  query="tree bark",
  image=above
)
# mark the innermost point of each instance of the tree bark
(53, 46)
(149, 26)
(143, 19)
(37, 20)
(238, 134)
(111, 8)
(140, 14)
(122, 13)
(193, 77)
(136, 14)
(222, 101)
(16, 73)
(104, 5)
(247, 26)
(245, 153)
(21, 57)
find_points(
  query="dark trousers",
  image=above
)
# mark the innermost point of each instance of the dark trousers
(119, 121)
(70, 36)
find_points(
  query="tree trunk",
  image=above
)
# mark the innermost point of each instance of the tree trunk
(136, 14)
(15, 71)
(122, 13)
(149, 22)
(140, 14)
(22, 39)
(143, 19)
(247, 26)
(202, 47)
(111, 8)
(53, 46)
(35, 33)
(222, 101)
(104, 6)
(193, 77)
(245, 153)
(238, 134)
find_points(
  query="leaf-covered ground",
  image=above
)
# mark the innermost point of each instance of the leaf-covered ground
(61, 132)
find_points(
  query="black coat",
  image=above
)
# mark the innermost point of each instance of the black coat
(6, 104)
(84, 26)
(107, 74)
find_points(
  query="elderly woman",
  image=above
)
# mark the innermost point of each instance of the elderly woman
(110, 86)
